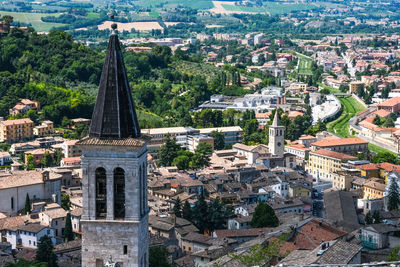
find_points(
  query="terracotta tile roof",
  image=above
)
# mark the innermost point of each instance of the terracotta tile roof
(232, 233)
(333, 154)
(39, 151)
(77, 212)
(55, 213)
(389, 166)
(307, 137)
(381, 113)
(339, 142)
(370, 166)
(16, 122)
(263, 115)
(24, 178)
(71, 160)
(11, 223)
(294, 114)
(312, 234)
(300, 147)
(390, 102)
(375, 185)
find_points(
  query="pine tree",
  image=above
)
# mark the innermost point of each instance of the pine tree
(178, 208)
(168, 151)
(27, 208)
(68, 234)
(376, 216)
(393, 197)
(187, 211)
(200, 214)
(264, 216)
(45, 252)
(368, 218)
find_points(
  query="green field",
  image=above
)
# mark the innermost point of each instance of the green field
(279, 8)
(34, 19)
(305, 66)
(340, 126)
(331, 89)
(195, 4)
(244, 8)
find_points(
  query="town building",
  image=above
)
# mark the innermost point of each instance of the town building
(323, 163)
(391, 105)
(38, 154)
(16, 130)
(114, 169)
(70, 149)
(46, 128)
(5, 158)
(37, 184)
(350, 146)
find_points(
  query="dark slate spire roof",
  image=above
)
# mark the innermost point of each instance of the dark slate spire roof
(114, 114)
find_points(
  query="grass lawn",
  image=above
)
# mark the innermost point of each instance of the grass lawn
(156, 4)
(93, 15)
(331, 89)
(340, 126)
(34, 19)
(305, 66)
(154, 14)
(378, 149)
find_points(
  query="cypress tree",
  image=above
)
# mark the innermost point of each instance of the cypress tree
(68, 234)
(177, 208)
(27, 208)
(45, 252)
(187, 211)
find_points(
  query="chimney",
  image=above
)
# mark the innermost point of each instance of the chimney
(173, 218)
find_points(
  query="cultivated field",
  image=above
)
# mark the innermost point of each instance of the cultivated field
(138, 26)
(222, 7)
(34, 19)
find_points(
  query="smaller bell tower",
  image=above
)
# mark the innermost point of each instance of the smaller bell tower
(276, 137)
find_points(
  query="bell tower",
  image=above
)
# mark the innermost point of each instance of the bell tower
(114, 161)
(276, 137)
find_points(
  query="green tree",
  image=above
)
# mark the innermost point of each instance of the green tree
(168, 151)
(264, 216)
(258, 255)
(219, 140)
(201, 156)
(178, 208)
(45, 253)
(30, 162)
(25, 263)
(68, 234)
(385, 157)
(47, 159)
(65, 202)
(27, 208)
(389, 123)
(181, 162)
(376, 216)
(159, 257)
(368, 218)
(377, 121)
(7, 19)
(217, 215)
(393, 254)
(187, 211)
(393, 196)
(200, 214)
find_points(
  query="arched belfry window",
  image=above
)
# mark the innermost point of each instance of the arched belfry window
(119, 193)
(101, 193)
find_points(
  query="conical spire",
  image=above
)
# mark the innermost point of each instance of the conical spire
(114, 114)
(276, 121)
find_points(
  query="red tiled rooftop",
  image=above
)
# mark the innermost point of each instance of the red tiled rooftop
(390, 102)
(368, 167)
(333, 154)
(382, 113)
(339, 142)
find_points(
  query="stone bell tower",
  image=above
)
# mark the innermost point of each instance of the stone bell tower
(114, 155)
(276, 137)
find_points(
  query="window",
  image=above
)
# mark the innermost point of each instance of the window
(119, 193)
(125, 249)
(12, 203)
(101, 193)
